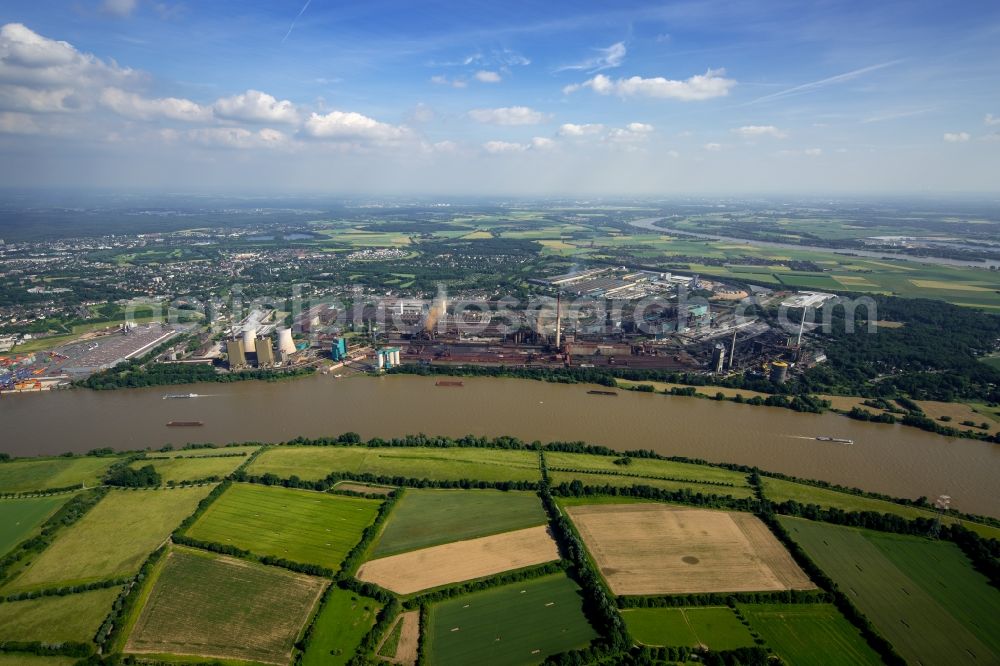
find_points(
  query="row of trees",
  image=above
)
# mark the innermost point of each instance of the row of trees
(136, 375)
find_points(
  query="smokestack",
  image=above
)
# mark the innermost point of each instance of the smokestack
(732, 350)
(798, 342)
(558, 320)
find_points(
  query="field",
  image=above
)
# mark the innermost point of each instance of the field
(711, 627)
(922, 595)
(423, 518)
(621, 481)
(191, 469)
(514, 624)
(209, 452)
(20, 517)
(94, 549)
(31, 660)
(202, 604)
(298, 525)
(42, 473)
(401, 643)
(344, 620)
(661, 549)
(645, 467)
(313, 463)
(74, 617)
(809, 634)
(423, 569)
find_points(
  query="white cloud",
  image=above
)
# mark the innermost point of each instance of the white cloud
(713, 147)
(254, 106)
(443, 80)
(33, 100)
(135, 106)
(233, 137)
(608, 58)
(813, 152)
(18, 123)
(352, 126)
(711, 84)
(542, 143)
(755, 131)
(498, 147)
(956, 137)
(508, 115)
(630, 134)
(486, 76)
(990, 119)
(119, 7)
(572, 129)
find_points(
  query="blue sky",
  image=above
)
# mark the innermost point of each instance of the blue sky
(475, 97)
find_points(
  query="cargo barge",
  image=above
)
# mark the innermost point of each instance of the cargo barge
(835, 440)
(445, 382)
(596, 392)
(184, 424)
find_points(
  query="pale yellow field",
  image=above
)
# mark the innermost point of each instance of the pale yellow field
(951, 286)
(460, 561)
(853, 281)
(409, 640)
(662, 549)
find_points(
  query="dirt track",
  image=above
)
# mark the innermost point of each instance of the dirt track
(661, 549)
(463, 560)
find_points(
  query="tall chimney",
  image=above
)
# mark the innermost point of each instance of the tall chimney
(558, 320)
(732, 350)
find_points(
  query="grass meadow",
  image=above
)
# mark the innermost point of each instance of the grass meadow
(645, 467)
(191, 469)
(19, 518)
(922, 595)
(423, 518)
(717, 628)
(436, 464)
(204, 604)
(520, 623)
(298, 525)
(112, 539)
(74, 617)
(809, 634)
(341, 624)
(43, 473)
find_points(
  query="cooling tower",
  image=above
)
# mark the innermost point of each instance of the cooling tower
(285, 342)
(249, 340)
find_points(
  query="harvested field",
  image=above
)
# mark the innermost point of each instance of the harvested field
(363, 488)
(224, 608)
(405, 634)
(430, 517)
(460, 561)
(661, 549)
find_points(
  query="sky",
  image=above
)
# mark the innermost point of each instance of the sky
(513, 98)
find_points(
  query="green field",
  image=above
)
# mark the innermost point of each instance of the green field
(298, 525)
(203, 604)
(192, 469)
(344, 620)
(520, 623)
(41, 473)
(645, 467)
(112, 539)
(809, 634)
(922, 595)
(779, 490)
(209, 452)
(19, 518)
(74, 617)
(714, 628)
(436, 464)
(11, 659)
(425, 518)
(621, 481)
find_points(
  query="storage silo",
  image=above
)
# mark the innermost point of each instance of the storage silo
(285, 342)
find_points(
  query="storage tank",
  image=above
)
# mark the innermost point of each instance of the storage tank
(249, 340)
(285, 342)
(779, 372)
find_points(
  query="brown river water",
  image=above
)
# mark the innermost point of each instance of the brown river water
(893, 459)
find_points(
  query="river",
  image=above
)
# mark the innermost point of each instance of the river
(649, 224)
(893, 459)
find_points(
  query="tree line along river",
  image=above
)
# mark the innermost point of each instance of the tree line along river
(893, 459)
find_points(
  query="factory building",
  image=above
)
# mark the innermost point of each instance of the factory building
(338, 350)
(237, 353)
